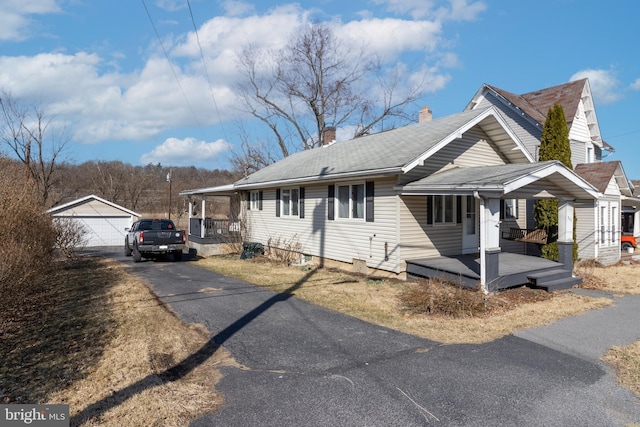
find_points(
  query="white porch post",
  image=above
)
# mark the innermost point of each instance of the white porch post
(189, 215)
(565, 233)
(203, 230)
(489, 242)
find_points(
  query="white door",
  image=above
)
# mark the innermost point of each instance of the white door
(470, 225)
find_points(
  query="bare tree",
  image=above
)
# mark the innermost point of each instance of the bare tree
(34, 140)
(317, 81)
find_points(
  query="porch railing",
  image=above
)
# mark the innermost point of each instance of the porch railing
(222, 228)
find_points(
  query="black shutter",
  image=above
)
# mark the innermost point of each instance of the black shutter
(331, 208)
(301, 202)
(501, 208)
(248, 200)
(369, 201)
(260, 200)
(459, 210)
(277, 202)
(429, 210)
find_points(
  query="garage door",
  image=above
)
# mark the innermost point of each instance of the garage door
(104, 231)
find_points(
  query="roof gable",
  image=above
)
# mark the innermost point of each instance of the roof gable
(600, 175)
(75, 204)
(536, 104)
(391, 152)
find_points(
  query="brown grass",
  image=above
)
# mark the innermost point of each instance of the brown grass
(623, 278)
(95, 332)
(626, 362)
(379, 301)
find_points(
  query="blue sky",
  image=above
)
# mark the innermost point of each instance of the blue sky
(100, 68)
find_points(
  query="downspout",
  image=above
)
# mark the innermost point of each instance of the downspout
(483, 261)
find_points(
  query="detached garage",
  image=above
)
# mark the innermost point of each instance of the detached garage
(104, 221)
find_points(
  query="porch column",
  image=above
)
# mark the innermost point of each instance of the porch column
(489, 242)
(203, 230)
(189, 215)
(565, 233)
(492, 251)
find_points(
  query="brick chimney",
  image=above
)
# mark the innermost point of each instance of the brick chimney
(328, 135)
(425, 115)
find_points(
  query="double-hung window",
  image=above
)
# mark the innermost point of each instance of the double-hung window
(444, 209)
(290, 202)
(351, 201)
(509, 209)
(255, 201)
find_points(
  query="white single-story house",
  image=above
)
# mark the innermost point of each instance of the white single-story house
(439, 198)
(104, 221)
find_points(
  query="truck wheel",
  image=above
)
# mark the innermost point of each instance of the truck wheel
(137, 256)
(626, 246)
(177, 256)
(127, 249)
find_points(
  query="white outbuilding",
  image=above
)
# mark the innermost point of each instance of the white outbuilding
(104, 221)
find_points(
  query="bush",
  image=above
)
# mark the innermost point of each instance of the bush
(444, 298)
(28, 237)
(70, 236)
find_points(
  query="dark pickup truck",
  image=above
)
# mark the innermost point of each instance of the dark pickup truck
(150, 238)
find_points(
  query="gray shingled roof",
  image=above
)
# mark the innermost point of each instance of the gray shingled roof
(487, 177)
(378, 153)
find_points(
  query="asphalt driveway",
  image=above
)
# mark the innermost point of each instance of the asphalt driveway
(308, 366)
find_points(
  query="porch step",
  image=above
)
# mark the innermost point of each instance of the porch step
(553, 280)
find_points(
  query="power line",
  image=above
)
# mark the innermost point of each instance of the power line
(175, 75)
(206, 72)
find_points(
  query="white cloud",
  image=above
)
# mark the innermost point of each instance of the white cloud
(236, 7)
(604, 85)
(184, 152)
(103, 104)
(15, 24)
(457, 10)
(636, 85)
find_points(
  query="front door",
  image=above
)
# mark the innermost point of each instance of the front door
(470, 225)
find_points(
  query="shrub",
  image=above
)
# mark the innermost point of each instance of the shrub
(70, 236)
(444, 297)
(26, 247)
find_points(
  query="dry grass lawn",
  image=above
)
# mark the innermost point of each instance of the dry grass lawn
(101, 343)
(96, 338)
(378, 300)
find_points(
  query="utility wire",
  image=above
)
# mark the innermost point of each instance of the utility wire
(173, 70)
(206, 72)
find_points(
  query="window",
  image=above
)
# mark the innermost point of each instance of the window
(255, 202)
(443, 209)
(603, 218)
(509, 209)
(351, 201)
(289, 202)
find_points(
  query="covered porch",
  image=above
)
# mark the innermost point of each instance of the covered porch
(490, 268)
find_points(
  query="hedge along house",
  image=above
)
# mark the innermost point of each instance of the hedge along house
(526, 115)
(423, 199)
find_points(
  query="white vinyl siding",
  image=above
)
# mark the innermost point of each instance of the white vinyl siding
(333, 239)
(586, 229)
(473, 149)
(419, 240)
(527, 132)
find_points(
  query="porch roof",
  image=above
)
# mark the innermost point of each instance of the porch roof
(222, 190)
(550, 179)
